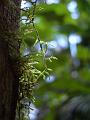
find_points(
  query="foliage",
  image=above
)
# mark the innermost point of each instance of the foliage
(69, 77)
(33, 63)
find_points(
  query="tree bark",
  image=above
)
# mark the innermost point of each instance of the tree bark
(9, 54)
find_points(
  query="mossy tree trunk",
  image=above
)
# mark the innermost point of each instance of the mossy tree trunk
(9, 54)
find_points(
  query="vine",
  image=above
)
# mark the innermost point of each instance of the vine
(29, 73)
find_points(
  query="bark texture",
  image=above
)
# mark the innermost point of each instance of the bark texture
(9, 53)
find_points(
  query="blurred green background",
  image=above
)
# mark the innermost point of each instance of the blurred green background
(65, 26)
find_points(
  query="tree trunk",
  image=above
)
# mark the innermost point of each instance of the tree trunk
(9, 54)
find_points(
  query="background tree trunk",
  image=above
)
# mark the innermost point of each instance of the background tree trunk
(9, 54)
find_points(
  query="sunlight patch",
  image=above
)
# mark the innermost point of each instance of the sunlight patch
(50, 79)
